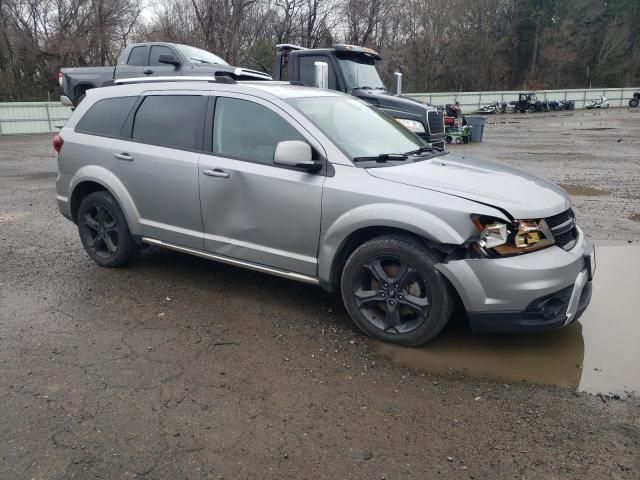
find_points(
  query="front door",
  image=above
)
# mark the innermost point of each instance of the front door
(157, 69)
(252, 209)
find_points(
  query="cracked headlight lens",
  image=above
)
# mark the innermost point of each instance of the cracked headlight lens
(504, 239)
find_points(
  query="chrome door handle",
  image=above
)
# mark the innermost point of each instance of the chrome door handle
(216, 173)
(123, 156)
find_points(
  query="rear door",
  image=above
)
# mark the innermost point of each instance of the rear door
(252, 209)
(158, 164)
(133, 64)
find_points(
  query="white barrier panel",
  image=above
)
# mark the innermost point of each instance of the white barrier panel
(32, 117)
(48, 117)
(472, 101)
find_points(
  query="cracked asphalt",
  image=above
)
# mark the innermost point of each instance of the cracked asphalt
(176, 367)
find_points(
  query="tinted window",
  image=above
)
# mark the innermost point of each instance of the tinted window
(307, 70)
(249, 131)
(158, 50)
(105, 117)
(170, 120)
(138, 56)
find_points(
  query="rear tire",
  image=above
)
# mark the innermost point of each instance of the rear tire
(104, 231)
(394, 293)
(634, 102)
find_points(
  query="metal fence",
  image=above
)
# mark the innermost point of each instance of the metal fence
(49, 117)
(471, 101)
(32, 117)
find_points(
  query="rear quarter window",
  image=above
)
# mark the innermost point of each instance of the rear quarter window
(106, 117)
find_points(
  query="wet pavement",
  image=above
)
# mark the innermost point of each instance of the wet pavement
(600, 353)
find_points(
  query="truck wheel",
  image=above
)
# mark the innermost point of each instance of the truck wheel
(448, 138)
(532, 109)
(394, 293)
(104, 231)
(634, 102)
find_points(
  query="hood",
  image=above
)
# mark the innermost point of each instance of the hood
(524, 196)
(391, 103)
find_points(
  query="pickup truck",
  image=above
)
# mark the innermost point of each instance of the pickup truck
(352, 69)
(149, 59)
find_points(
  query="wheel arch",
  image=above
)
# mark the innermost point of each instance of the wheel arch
(367, 222)
(93, 178)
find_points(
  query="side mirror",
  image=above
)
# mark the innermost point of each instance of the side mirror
(169, 59)
(294, 153)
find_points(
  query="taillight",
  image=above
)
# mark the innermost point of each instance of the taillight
(58, 142)
(60, 78)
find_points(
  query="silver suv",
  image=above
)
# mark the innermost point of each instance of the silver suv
(319, 187)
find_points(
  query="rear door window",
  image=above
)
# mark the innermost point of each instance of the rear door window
(138, 56)
(106, 116)
(156, 51)
(249, 131)
(174, 121)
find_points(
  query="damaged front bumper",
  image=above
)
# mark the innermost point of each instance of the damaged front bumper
(541, 290)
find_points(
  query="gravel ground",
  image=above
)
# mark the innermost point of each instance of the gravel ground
(176, 367)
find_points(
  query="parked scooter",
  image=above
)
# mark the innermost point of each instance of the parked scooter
(602, 102)
(635, 100)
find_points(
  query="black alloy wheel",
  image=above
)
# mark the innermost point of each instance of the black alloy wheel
(104, 231)
(392, 295)
(393, 291)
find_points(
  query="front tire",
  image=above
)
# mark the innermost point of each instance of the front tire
(393, 292)
(634, 102)
(104, 231)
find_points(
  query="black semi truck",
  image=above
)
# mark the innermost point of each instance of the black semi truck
(352, 69)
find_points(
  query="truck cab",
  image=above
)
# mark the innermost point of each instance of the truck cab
(352, 69)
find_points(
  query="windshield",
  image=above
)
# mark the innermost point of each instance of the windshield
(197, 55)
(357, 128)
(360, 72)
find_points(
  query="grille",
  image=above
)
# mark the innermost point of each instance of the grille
(435, 120)
(563, 226)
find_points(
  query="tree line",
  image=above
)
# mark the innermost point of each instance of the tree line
(439, 45)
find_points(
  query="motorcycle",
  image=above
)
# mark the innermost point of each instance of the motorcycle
(554, 105)
(489, 109)
(567, 105)
(635, 100)
(602, 102)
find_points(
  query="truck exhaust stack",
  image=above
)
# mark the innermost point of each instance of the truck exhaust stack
(321, 77)
(398, 78)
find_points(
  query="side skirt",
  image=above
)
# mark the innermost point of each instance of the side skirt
(232, 261)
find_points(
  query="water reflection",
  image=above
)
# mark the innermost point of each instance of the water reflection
(599, 354)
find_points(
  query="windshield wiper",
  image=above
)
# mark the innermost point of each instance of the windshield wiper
(426, 148)
(367, 88)
(382, 158)
(198, 59)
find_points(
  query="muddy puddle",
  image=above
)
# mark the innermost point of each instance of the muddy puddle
(598, 354)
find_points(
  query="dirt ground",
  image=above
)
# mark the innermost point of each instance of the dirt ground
(176, 367)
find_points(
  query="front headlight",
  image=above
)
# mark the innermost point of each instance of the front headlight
(504, 239)
(412, 125)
